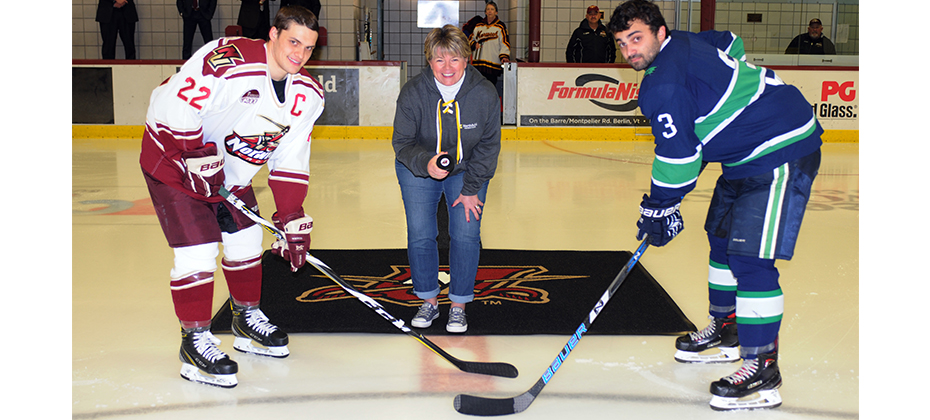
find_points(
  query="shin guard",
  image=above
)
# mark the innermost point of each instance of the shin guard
(193, 298)
(244, 279)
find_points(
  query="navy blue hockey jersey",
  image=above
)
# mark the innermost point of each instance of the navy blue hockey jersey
(707, 106)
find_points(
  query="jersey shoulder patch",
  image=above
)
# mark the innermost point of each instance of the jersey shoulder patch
(232, 52)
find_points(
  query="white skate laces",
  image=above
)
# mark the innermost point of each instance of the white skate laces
(205, 343)
(202, 361)
(257, 335)
(257, 321)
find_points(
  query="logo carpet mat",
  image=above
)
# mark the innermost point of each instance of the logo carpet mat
(516, 292)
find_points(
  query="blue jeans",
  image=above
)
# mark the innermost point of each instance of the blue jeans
(421, 199)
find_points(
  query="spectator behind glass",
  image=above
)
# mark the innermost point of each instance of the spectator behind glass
(813, 42)
(591, 42)
(117, 17)
(490, 44)
(254, 18)
(311, 5)
(196, 14)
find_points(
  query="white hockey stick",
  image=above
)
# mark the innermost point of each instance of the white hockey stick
(484, 368)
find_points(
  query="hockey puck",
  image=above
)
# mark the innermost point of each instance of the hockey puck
(445, 163)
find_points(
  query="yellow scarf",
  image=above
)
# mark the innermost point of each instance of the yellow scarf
(446, 108)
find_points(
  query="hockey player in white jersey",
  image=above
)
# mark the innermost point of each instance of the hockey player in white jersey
(238, 104)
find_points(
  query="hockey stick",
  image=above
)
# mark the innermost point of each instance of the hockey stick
(481, 406)
(505, 370)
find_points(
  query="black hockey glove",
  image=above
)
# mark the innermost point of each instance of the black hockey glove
(661, 221)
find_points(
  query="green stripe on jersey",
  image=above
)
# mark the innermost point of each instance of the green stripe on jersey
(675, 173)
(737, 50)
(746, 84)
(781, 141)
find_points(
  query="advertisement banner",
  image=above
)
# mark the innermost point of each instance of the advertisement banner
(340, 86)
(608, 97)
(833, 95)
(578, 96)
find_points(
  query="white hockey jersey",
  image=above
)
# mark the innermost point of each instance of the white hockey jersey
(224, 95)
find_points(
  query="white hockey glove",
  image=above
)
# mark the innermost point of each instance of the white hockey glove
(204, 170)
(296, 229)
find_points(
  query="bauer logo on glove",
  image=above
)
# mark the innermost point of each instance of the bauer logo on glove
(660, 220)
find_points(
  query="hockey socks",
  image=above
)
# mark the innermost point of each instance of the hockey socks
(244, 279)
(760, 303)
(193, 299)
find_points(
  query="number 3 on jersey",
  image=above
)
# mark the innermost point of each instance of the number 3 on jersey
(669, 124)
(186, 95)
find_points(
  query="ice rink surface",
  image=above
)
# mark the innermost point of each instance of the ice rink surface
(547, 195)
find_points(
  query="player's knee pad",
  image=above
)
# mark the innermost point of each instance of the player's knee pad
(244, 244)
(194, 259)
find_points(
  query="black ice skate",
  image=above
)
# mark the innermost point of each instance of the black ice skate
(720, 334)
(754, 385)
(254, 334)
(203, 362)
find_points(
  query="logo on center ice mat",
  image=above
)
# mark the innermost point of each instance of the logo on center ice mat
(510, 283)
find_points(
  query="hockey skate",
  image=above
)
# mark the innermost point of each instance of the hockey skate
(203, 362)
(254, 334)
(716, 343)
(754, 385)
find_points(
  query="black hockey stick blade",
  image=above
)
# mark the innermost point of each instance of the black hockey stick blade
(505, 370)
(481, 406)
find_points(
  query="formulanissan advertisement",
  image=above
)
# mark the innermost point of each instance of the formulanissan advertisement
(576, 96)
(608, 97)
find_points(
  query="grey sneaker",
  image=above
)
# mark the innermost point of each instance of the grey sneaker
(425, 316)
(457, 322)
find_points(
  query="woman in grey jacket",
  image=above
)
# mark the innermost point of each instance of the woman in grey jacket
(450, 112)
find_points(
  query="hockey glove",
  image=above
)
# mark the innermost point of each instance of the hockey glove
(296, 229)
(204, 170)
(661, 221)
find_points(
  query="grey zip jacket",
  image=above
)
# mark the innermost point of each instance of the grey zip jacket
(476, 108)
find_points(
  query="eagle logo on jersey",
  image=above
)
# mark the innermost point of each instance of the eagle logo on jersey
(256, 149)
(224, 56)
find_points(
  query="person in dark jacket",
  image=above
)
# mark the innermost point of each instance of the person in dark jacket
(117, 17)
(812, 42)
(255, 18)
(447, 138)
(591, 42)
(311, 5)
(196, 14)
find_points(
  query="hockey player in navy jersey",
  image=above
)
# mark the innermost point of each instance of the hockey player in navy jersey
(707, 105)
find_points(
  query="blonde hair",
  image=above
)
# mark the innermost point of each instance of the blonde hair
(448, 39)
